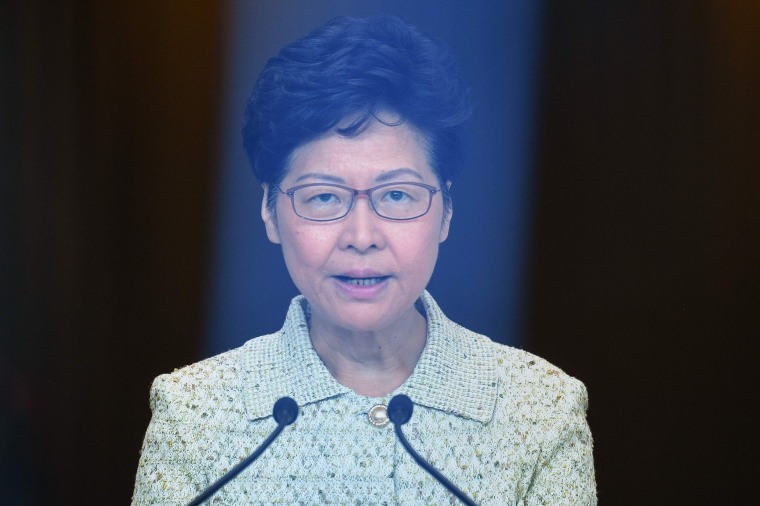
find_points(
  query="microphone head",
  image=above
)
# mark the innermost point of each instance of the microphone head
(285, 411)
(400, 409)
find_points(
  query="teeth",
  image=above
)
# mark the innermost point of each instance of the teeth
(364, 281)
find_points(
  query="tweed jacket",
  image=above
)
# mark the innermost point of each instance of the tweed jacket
(503, 425)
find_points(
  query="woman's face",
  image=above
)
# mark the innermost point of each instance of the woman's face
(361, 272)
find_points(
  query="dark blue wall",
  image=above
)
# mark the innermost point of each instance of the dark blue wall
(479, 277)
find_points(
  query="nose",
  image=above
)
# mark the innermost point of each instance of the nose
(362, 228)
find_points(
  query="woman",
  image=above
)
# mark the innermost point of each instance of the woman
(356, 135)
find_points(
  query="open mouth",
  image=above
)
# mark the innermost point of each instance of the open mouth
(362, 281)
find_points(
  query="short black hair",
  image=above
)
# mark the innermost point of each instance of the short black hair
(354, 68)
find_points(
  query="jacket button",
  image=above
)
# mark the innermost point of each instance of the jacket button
(378, 415)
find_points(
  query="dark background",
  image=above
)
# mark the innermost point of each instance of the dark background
(643, 275)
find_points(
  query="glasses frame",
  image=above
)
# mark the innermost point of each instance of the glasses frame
(355, 193)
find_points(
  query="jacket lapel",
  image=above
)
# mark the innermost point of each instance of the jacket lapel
(456, 372)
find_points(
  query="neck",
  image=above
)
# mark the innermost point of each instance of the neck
(371, 363)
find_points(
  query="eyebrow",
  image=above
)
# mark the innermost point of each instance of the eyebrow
(392, 174)
(385, 176)
(320, 175)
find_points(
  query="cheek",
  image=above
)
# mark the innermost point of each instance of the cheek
(305, 249)
(418, 248)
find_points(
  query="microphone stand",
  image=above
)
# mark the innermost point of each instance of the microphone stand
(400, 411)
(285, 412)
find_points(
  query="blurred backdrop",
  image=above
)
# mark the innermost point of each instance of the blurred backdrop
(496, 44)
(608, 220)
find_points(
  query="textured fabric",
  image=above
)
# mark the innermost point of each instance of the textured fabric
(505, 426)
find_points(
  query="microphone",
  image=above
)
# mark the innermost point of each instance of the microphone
(399, 412)
(285, 412)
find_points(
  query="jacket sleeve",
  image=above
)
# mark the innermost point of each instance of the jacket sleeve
(169, 471)
(565, 473)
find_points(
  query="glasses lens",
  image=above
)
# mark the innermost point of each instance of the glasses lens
(401, 201)
(321, 202)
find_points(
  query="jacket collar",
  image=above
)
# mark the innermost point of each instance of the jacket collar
(456, 372)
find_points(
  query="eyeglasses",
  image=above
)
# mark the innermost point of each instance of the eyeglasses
(327, 201)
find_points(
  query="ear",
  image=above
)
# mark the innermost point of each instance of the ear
(446, 219)
(270, 220)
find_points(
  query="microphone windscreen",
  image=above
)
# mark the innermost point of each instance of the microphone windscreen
(400, 409)
(285, 411)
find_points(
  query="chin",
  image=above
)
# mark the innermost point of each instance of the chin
(364, 322)
(362, 317)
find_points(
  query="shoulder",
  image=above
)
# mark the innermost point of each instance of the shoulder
(530, 382)
(213, 383)
(524, 367)
(518, 371)
(198, 379)
(199, 421)
(547, 407)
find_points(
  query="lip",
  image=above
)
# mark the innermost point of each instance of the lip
(373, 283)
(361, 273)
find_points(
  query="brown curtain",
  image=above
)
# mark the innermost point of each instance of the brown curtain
(644, 280)
(109, 117)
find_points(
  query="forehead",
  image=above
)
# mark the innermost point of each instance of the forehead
(378, 149)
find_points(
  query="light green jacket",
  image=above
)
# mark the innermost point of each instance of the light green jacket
(505, 426)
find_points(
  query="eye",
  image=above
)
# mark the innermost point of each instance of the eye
(324, 198)
(319, 197)
(396, 196)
